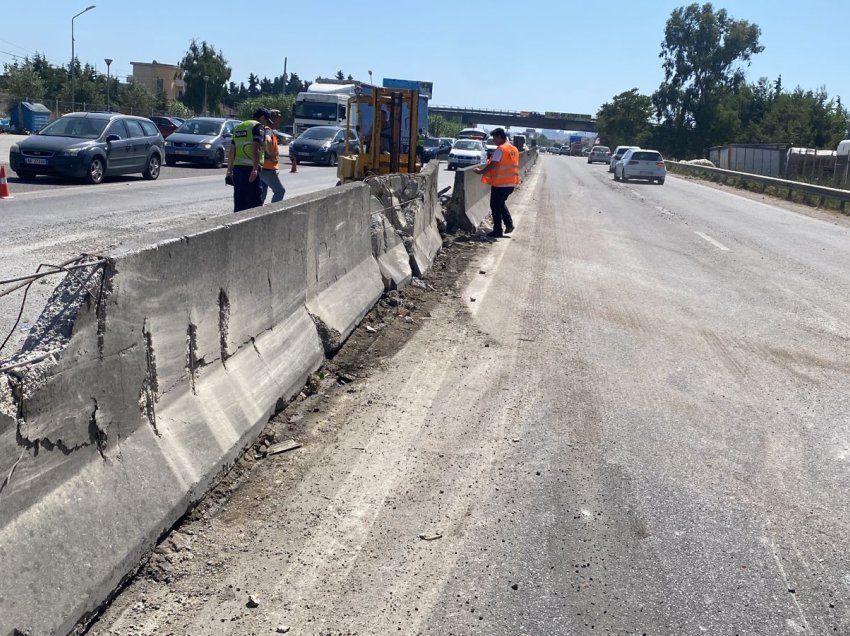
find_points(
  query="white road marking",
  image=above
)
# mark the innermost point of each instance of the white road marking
(716, 244)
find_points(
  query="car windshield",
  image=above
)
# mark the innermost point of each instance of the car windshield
(319, 132)
(79, 127)
(432, 142)
(198, 127)
(601, 149)
(317, 110)
(467, 144)
(646, 156)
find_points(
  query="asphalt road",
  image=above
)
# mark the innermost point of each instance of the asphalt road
(631, 418)
(50, 220)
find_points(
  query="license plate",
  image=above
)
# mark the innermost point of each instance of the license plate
(37, 162)
(181, 152)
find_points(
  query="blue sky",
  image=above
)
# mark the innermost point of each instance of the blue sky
(557, 55)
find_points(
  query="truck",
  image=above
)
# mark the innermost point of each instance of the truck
(324, 103)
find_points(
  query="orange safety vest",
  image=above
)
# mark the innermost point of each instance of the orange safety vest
(270, 159)
(506, 172)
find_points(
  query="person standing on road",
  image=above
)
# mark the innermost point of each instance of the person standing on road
(269, 174)
(244, 161)
(501, 173)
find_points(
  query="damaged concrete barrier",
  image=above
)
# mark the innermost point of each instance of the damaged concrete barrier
(411, 205)
(165, 377)
(470, 202)
(343, 278)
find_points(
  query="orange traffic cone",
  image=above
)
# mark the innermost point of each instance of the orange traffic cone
(4, 187)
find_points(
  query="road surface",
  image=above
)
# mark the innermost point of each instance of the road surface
(630, 418)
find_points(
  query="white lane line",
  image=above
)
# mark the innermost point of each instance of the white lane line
(716, 244)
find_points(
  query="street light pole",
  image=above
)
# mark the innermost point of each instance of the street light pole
(108, 64)
(206, 79)
(73, 57)
(370, 77)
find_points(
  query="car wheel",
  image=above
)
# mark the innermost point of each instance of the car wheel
(623, 176)
(616, 178)
(218, 160)
(95, 171)
(661, 182)
(332, 159)
(152, 170)
(170, 162)
(26, 175)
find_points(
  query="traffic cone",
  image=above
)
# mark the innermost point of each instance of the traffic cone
(4, 187)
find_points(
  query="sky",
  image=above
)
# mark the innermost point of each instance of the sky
(537, 55)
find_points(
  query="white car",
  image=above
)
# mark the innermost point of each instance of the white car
(641, 164)
(466, 152)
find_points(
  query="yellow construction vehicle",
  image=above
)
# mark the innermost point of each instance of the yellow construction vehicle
(387, 133)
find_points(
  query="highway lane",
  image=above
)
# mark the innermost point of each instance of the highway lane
(630, 418)
(50, 220)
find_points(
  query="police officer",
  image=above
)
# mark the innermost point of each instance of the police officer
(245, 160)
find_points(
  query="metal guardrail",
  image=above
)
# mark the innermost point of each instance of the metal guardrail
(823, 192)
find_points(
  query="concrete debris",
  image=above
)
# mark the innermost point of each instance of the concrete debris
(418, 282)
(253, 602)
(430, 537)
(282, 447)
(282, 629)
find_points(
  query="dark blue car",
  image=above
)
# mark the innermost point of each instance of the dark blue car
(90, 146)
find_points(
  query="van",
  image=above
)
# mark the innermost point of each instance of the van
(843, 148)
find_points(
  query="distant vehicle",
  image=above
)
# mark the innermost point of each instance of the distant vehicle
(5, 124)
(466, 152)
(641, 164)
(490, 146)
(564, 150)
(200, 140)
(601, 154)
(472, 133)
(323, 144)
(90, 146)
(618, 154)
(448, 140)
(166, 125)
(519, 141)
(435, 147)
(283, 138)
(575, 149)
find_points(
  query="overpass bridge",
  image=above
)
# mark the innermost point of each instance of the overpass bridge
(516, 118)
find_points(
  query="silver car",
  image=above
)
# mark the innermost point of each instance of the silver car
(641, 164)
(200, 140)
(602, 154)
(466, 152)
(618, 154)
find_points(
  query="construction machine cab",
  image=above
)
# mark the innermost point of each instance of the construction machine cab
(387, 133)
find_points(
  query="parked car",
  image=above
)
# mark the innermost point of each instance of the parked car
(283, 138)
(641, 164)
(490, 146)
(5, 124)
(323, 144)
(618, 154)
(90, 146)
(166, 125)
(602, 154)
(200, 140)
(435, 147)
(466, 152)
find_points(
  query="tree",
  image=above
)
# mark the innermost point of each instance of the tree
(253, 85)
(625, 120)
(294, 85)
(203, 60)
(439, 126)
(340, 75)
(24, 83)
(704, 54)
(133, 98)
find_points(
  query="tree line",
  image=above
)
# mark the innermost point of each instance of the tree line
(705, 100)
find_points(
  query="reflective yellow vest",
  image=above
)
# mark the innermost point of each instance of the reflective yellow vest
(506, 171)
(243, 142)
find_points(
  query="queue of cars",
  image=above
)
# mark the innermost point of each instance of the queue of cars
(626, 163)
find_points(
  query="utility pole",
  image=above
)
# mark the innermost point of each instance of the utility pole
(73, 57)
(108, 64)
(284, 77)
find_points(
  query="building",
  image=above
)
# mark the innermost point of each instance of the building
(158, 78)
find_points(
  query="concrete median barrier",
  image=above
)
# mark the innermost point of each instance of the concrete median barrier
(177, 357)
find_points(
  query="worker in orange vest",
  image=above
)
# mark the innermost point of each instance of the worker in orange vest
(269, 174)
(501, 173)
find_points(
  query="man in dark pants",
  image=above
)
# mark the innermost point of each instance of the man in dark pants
(502, 174)
(245, 160)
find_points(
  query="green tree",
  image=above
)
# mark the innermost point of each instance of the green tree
(439, 126)
(340, 75)
(202, 60)
(283, 103)
(24, 83)
(704, 54)
(133, 98)
(625, 120)
(253, 85)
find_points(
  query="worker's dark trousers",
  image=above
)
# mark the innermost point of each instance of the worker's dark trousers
(499, 208)
(246, 195)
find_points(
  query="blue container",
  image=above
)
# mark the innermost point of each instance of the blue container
(28, 118)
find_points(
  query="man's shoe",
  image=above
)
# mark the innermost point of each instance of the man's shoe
(509, 229)
(495, 234)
